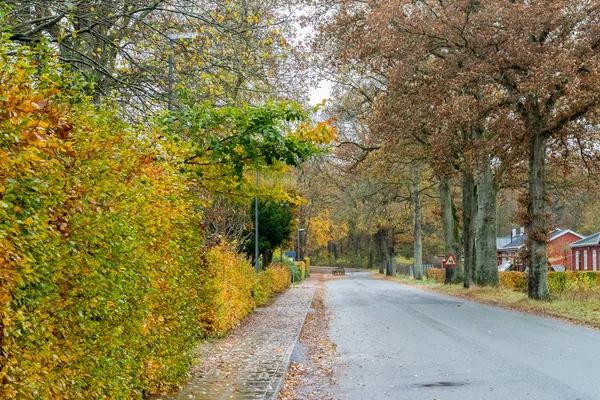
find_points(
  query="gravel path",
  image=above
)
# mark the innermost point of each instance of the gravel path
(250, 363)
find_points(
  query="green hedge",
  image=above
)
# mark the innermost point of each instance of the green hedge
(301, 267)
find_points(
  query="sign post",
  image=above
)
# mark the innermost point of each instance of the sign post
(450, 261)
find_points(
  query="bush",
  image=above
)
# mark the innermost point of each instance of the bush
(574, 285)
(226, 286)
(513, 280)
(271, 281)
(301, 266)
(437, 274)
(296, 273)
(104, 289)
(307, 263)
(97, 246)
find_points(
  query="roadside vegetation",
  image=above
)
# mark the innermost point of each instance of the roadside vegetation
(574, 296)
(122, 230)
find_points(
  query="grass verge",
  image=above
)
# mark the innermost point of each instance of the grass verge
(578, 312)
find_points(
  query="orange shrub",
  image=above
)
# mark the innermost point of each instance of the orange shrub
(437, 274)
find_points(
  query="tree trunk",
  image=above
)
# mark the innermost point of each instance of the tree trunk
(265, 259)
(385, 238)
(380, 252)
(370, 255)
(418, 236)
(386, 252)
(469, 216)
(450, 228)
(486, 265)
(391, 263)
(537, 233)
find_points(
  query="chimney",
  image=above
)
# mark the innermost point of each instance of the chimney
(522, 230)
(514, 233)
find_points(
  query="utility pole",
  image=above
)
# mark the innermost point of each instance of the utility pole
(172, 37)
(171, 70)
(256, 226)
(298, 254)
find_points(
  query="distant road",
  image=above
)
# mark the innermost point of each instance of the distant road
(397, 342)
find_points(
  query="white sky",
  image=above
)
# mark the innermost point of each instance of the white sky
(318, 94)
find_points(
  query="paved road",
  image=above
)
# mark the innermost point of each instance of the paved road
(401, 343)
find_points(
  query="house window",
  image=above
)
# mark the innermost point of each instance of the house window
(577, 266)
(594, 260)
(585, 263)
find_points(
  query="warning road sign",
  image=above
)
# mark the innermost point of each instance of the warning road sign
(450, 261)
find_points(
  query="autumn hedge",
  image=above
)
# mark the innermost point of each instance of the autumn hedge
(576, 285)
(104, 286)
(437, 274)
(513, 280)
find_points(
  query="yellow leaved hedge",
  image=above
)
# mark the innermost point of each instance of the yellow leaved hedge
(307, 263)
(302, 267)
(513, 280)
(575, 285)
(104, 286)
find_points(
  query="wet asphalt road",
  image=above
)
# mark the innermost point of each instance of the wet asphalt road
(396, 342)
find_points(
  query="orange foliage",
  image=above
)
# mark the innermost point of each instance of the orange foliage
(437, 274)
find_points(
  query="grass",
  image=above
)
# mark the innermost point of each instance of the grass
(585, 312)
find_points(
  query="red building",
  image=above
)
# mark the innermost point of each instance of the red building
(585, 254)
(558, 248)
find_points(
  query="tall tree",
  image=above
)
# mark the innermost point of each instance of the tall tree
(224, 52)
(275, 228)
(450, 226)
(523, 74)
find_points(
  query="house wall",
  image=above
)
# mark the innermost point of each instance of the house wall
(583, 259)
(559, 248)
(509, 254)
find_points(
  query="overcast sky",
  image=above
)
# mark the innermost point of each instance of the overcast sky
(319, 93)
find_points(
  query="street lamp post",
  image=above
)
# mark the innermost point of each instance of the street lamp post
(172, 38)
(256, 225)
(298, 254)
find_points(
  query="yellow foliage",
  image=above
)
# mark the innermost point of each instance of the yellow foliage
(104, 286)
(513, 280)
(323, 230)
(573, 285)
(226, 286)
(307, 263)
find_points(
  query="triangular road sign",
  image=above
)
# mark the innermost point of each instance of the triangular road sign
(450, 261)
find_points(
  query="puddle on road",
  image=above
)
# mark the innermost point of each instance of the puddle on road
(443, 384)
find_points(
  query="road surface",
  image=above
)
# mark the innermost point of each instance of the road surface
(398, 342)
